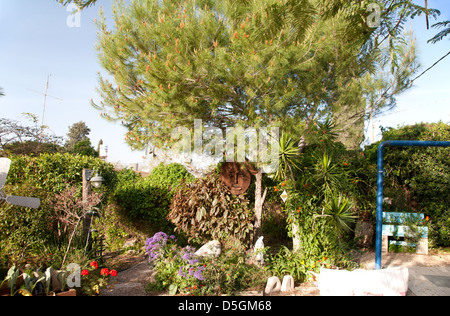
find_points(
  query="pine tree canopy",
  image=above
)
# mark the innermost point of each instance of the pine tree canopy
(249, 62)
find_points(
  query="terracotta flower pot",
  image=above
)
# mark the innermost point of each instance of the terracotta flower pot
(71, 292)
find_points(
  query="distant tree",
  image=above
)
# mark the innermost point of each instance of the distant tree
(19, 139)
(78, 141)
(1, 92)
(77, 133)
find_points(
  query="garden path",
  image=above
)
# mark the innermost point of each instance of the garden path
(131, 282)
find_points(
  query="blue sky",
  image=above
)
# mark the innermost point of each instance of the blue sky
(36, 41)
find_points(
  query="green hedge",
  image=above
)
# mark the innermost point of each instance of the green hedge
(149, 198)
(52, 172)
(24, 232)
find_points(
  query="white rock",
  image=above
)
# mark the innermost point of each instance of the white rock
(211, 249)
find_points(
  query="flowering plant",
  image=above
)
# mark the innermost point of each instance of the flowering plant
(192, 269)
(159, 245)
(179, 270)
(95, 279)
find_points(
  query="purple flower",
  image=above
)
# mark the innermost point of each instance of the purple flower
(187, 253)
(198, 273)
(181, 273)
(155, 245)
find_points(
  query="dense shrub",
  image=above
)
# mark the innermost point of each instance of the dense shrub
(169, 176)
(141, 199)
(205, 210)
(26, 233)
(52, 172)
(148, 199)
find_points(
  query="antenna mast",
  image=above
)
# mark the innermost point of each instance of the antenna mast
(45, 99)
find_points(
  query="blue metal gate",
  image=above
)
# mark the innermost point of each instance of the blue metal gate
(380, 185)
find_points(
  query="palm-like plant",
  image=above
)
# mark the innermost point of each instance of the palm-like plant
(288, 154)
(340, 210)
(327, 175)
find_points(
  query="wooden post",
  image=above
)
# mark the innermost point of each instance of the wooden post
(86, 193)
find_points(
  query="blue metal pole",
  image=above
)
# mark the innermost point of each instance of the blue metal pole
(379, 227)
(380, 177)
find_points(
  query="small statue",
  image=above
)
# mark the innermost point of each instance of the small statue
(259, 250)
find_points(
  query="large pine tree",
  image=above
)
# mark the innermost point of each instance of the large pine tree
(250, 62)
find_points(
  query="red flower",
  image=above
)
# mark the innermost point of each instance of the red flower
(94, 264)
(113, 273)
(104, 272)
(84, 272)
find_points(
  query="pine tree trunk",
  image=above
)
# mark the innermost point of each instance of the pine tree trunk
(259, 202)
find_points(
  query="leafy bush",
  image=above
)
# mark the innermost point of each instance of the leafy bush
(51, 172)
(149, 198)
(287, 262)
(25, 233)
(142, 200)
(169, 176)
(205, 210)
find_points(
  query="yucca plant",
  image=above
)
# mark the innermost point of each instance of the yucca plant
(288, 155)
(339, 209)
(327, 175)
